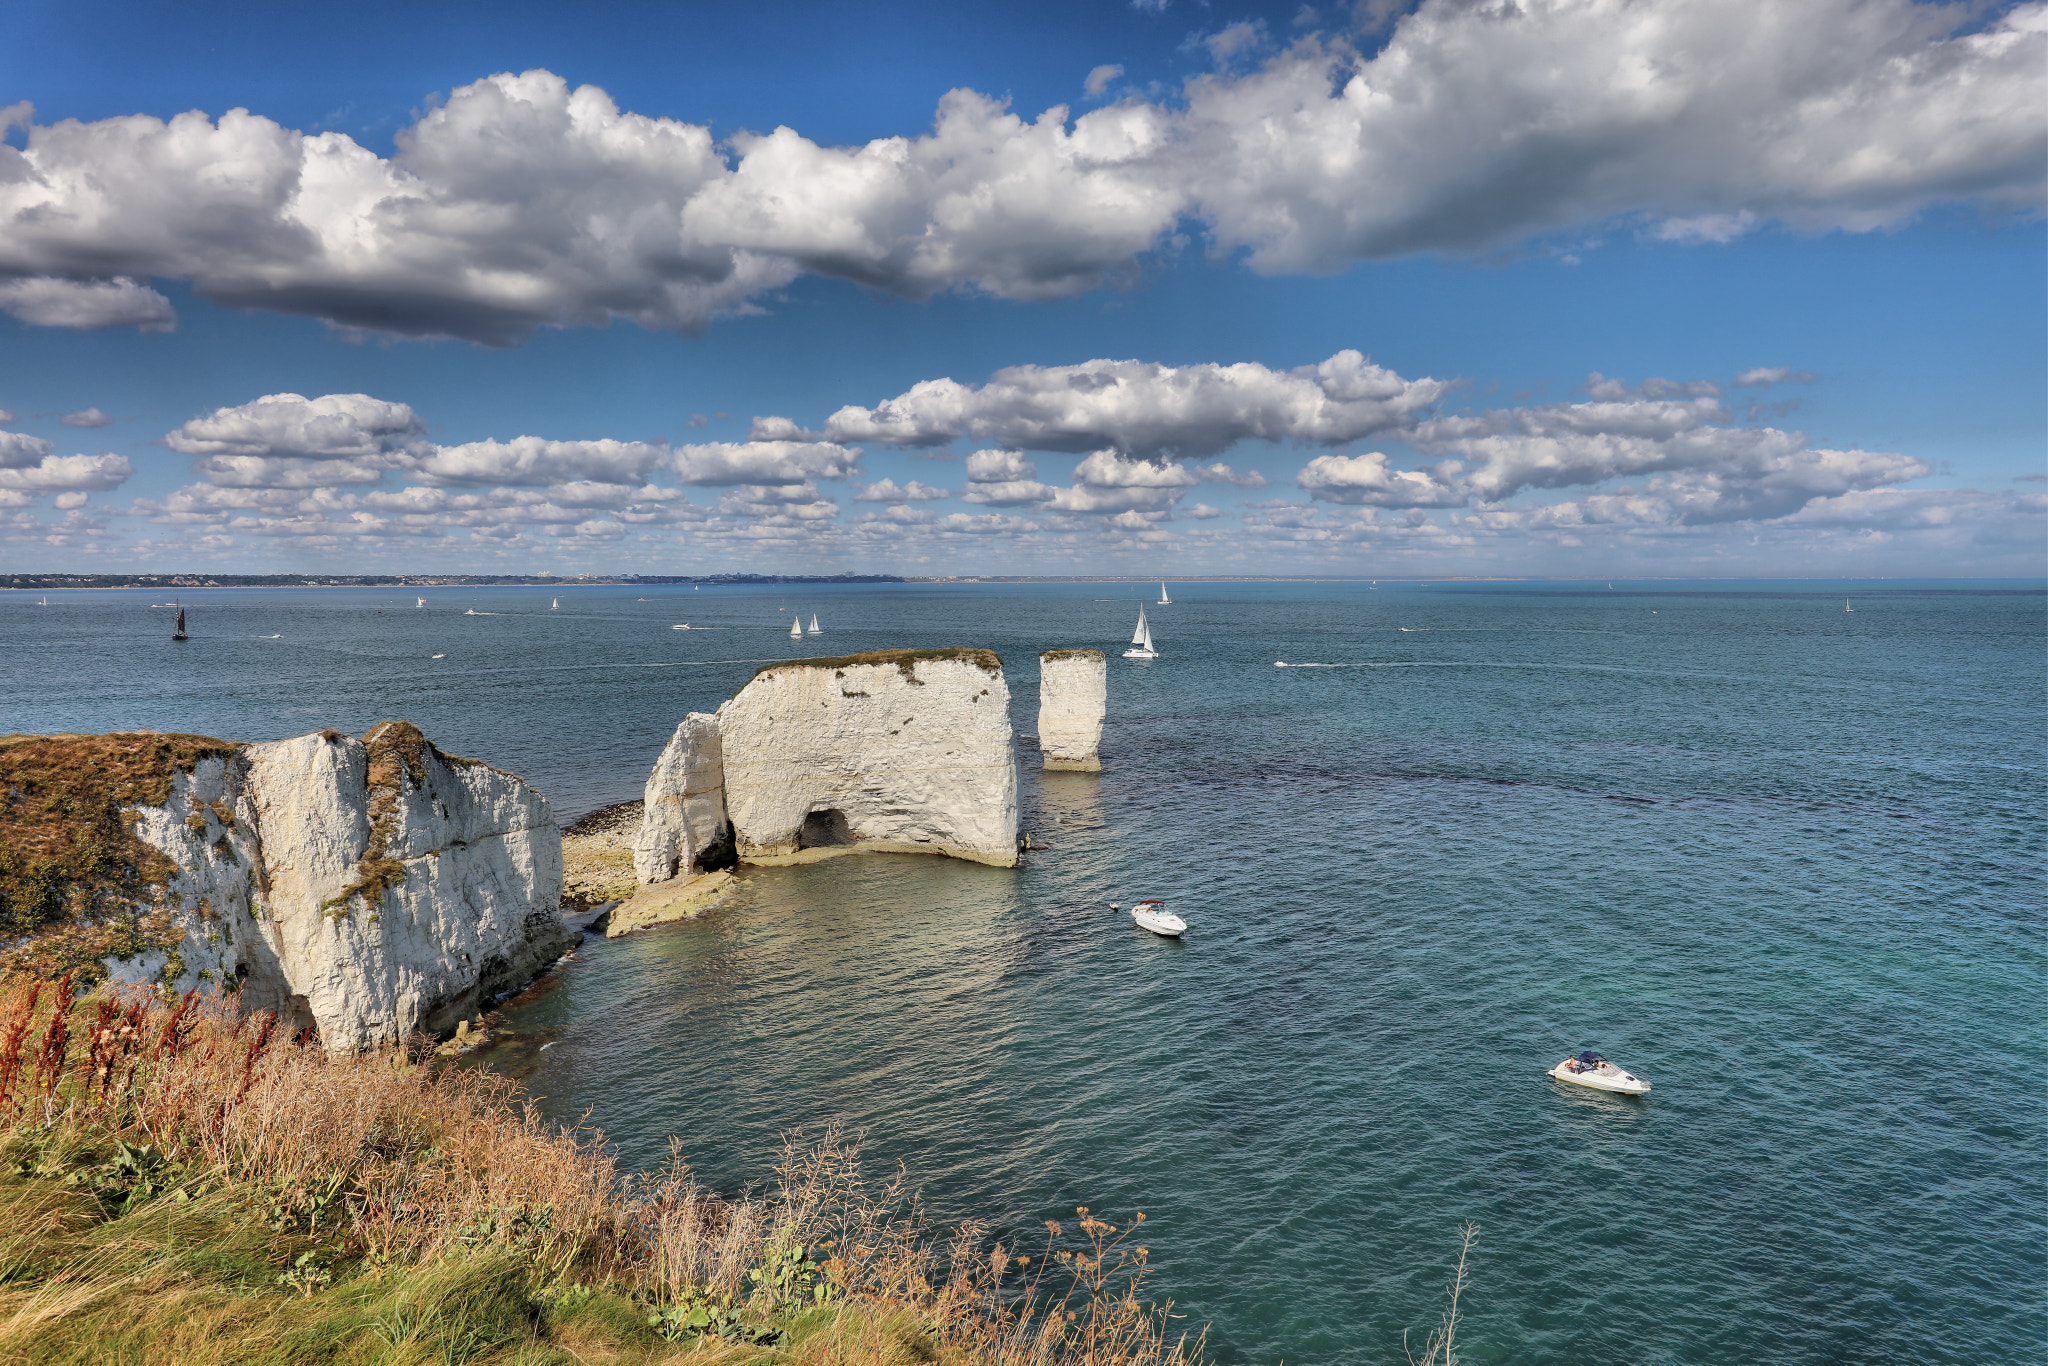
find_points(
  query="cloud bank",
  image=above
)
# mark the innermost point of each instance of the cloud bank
(522, 202)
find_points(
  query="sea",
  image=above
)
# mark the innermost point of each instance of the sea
(1776, 847)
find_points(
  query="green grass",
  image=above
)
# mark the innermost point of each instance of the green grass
(906, 661)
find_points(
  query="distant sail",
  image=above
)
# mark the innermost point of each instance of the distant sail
(1143, 635)
(555, 606)
(814, 623)
(421, 603)
(1162, 593)
(178, 631)
(796, 628)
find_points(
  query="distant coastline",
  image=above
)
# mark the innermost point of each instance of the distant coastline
(45, 582)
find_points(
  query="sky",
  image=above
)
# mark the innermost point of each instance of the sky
(1593, 288)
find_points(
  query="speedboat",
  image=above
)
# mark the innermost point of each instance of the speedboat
(1154, 916)
(1590, 1069)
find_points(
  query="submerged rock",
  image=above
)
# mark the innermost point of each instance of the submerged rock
(365, 887)
(1073, 692)
(899, 751)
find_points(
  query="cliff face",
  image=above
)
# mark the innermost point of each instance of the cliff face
(898, 751)
(683, 827)
(368, 887)
(1073, 693)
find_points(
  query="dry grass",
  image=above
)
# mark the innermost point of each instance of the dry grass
(179, 1183)
(76, 885)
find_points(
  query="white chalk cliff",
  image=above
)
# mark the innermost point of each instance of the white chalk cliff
(1073, 692)
(683, 828)
(900, 751)
(368, 887)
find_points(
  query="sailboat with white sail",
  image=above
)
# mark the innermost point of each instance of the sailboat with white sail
(555, 606)
(796, 628)
(1141, 639)
(814, 623)
(422, 602)
(1163, 599)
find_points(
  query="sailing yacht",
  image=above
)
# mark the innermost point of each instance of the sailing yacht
(1163, 599)
(555, 606)
(1141, 639)
(1846, 607)
(796, 628)
(420, 603)
(814, 623)
(178, 631)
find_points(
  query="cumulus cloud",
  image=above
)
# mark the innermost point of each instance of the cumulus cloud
(331, 427)
(887, 491)
(762, 462)
(522, 202)
(535, 460)
(48, 301)
(67, 473)
(87, 417)
(1699, 469)
(1147, 409)
(1099, 80)
(19, 450)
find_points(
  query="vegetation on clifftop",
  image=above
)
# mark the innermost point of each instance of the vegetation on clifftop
(181, 1184)
(76, 885)
(906, 661)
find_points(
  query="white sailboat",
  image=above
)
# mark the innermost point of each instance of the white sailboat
(796, 628)
(1141, 639)
(555, 606)
(1162, 594)
(421, 603)
(1846, 607)
(814, 623)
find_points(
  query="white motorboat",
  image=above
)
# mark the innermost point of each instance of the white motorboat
(1590, 1069)
(1141, 640)
(680, 626)
(1154, 916)
(472, 612)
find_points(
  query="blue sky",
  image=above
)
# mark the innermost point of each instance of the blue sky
(1572, 287)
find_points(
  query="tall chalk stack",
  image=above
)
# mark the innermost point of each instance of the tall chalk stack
(1073, 692)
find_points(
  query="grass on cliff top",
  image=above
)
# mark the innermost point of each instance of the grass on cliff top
(178, 1183)
(1071, 654)
(75, 883)
(906, 661)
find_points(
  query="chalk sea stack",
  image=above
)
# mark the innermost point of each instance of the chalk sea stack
(1073, 692)
(894, 751)
(365, 887)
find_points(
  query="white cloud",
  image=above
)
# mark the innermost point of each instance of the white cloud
(522, 202)
(19, 450)
(1220, 473)
(6, 417)
(535, 460)
(47, 301)
(887, 491)
(761, 462)
(1766, 375)
(1099, 80)
(55, 473)
(1371, 479)
(1143, 408)
(331, 427)
(87, 417)
(1106, 482)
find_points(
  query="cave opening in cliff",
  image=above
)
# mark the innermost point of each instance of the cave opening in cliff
(823, 829)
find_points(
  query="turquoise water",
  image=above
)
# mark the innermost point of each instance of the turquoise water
(1782, 860)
